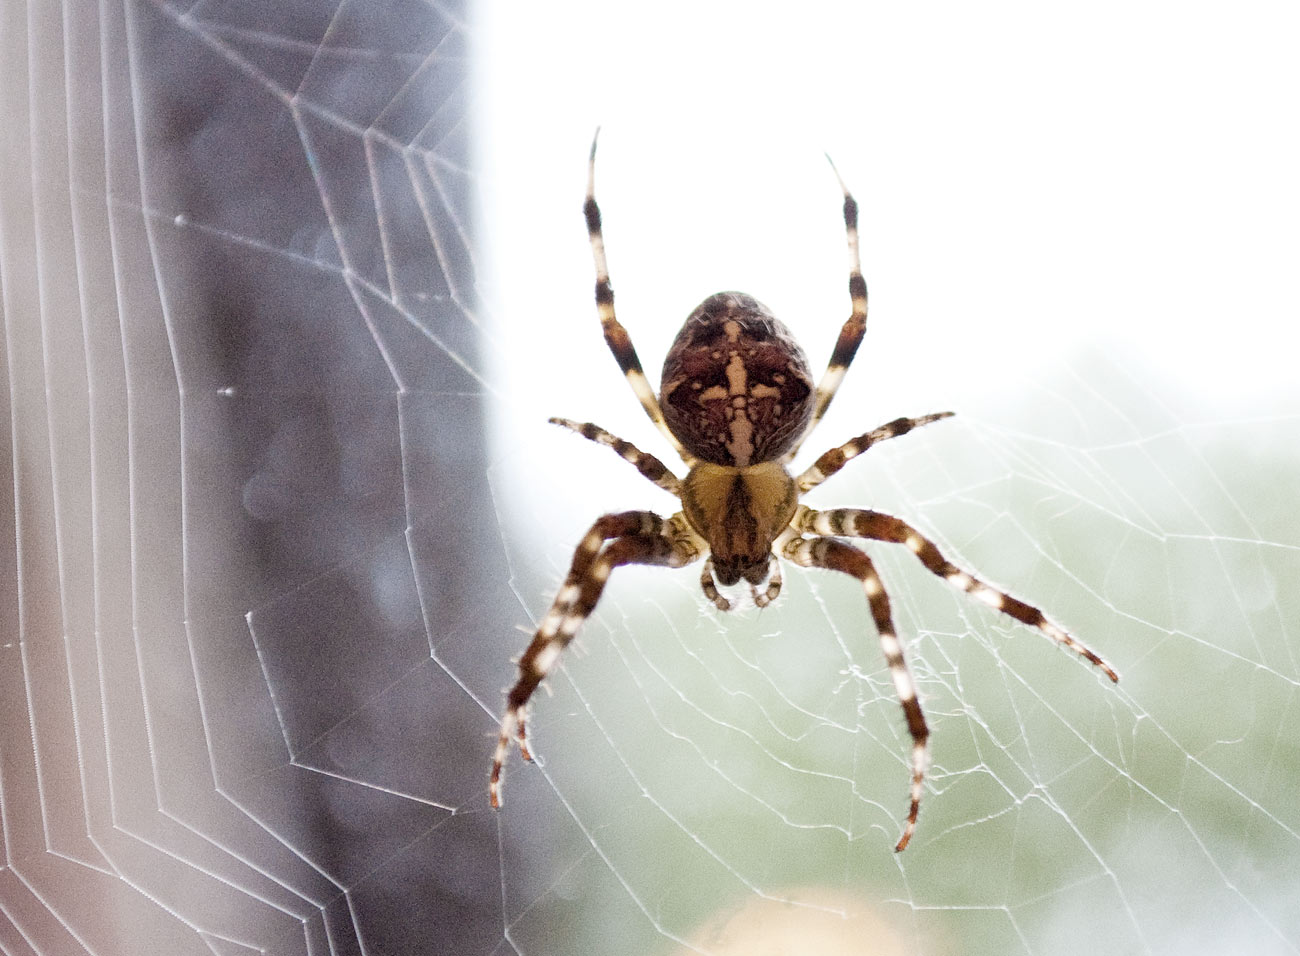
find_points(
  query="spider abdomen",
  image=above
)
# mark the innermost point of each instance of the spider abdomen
(736, 386)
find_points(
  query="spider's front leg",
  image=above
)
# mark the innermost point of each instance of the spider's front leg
(855, 327)
(616, 337)
(630, 537)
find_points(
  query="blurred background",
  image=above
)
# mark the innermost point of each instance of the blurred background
(289, 291)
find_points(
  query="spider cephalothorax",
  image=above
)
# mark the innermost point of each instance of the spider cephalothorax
(736, 402)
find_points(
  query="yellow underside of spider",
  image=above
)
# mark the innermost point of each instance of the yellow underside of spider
(740, 512)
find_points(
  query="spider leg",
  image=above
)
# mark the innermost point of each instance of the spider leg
(857, 523)
(835, 555)
(649, 466)
(616, 337)
(846, 346)
(606, 527)
(630, 537)
(835, 459)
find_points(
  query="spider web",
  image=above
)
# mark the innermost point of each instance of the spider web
(285, 503)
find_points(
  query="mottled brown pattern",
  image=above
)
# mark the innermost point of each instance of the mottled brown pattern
(695, 394)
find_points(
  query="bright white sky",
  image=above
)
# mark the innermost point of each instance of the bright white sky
(1035, 180)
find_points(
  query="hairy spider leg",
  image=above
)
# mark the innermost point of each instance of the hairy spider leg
(629, 537)
(650, 467)
(832, 555)
(616, 337)
(860, 523)
(835, 459)
(846, 346)
(606, 527)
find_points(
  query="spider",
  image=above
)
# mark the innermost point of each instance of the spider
(736, 402)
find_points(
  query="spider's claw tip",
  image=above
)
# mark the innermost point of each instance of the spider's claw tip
(594, 136)
(836, 170)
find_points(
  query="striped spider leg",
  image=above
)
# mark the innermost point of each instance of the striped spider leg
(629, 537)
(736, 401)
(854, 328)
(825, 551)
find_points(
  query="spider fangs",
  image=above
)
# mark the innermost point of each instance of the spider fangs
(736, 401)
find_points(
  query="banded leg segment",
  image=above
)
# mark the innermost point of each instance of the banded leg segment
(835, 555)
(616, 337)
(630, 537)
(835, 459)
(846, 346)
(650, 467)
(852, 522)
(606, 527)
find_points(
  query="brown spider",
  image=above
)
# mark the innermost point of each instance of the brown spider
(736, 401)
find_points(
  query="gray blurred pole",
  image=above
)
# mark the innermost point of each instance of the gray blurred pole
(240, 359)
